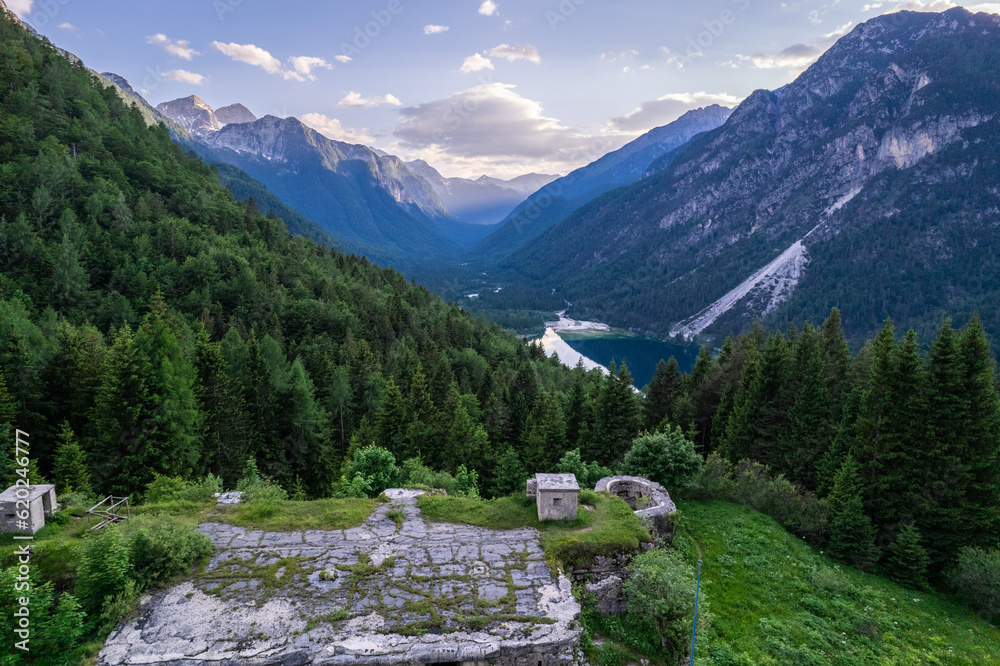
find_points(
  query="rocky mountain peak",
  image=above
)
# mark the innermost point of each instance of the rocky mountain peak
(192, 113)
(234, 114)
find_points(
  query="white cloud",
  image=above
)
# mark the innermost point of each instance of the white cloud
(68, 26)
(614, 54)
(332, 129)
(184, 76)
(475, 63)
(673, 59)
(20, 7)
(667, 109)
(516, 52)
(300, 68)
(938, 6)
(354, 99)
(251, 54)
(343, 59)
(798, 57)
(303, 65)
(488, 8)
(180, 48)
(435, 29)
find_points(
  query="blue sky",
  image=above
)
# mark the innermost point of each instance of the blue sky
(501, 87)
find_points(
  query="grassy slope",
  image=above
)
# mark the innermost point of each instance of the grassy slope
(611, 527)
(776, 600)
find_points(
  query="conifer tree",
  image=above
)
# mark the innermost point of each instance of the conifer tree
(70, 473)
(545, 438)
(982, 451)
(579, 408)
(510, 474)
(467, 444)
(390, 422)
(907, 559)
(421, 438)
(808, 428)
(851, 535)
(307, 439)
(616, 418)
(661, 392)
(836, 354)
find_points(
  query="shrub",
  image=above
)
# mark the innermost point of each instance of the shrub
(466, 482)
(256, 487)
(666, 457)
(377, 466)
(414, 473)
(587, 475)
(174, 488)
(121, 561)
(752, 485)
(977, 579)
(77, 499)
(56, 620)
(661, 587)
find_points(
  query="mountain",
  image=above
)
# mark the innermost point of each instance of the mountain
(868, 183)
(234, 113)
(371, 203)
(482, 201)
(191, 113)
(554, 201)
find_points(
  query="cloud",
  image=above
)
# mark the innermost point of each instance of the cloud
(180, 48)
(475, 63)
(435, 29)
(303, 65)
(797, 57)
(343, 59)
(667, 109)
(937, 6)
(20, 7)
(300, 68)
(332, 129)
(184, 76)
(516, 52)
(614, 54)
(68, 26)
(354, 99)
(251, 54)
(488, 8)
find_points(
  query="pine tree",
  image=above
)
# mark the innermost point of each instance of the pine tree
(70, 279)
(307, 440)
(390, 422)
(545, 438)
(467, 444)
(340, 402)
(851, 535)
(661, 392)
(616, 418)
(907, 559)
(510, 474)
(836, 354)
(70, 473)
(421, 440)
(982, 448)
(808, 429)
(579, 408)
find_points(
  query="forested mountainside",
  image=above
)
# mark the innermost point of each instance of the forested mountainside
(869, 183)
(624, 166)
(170, 330)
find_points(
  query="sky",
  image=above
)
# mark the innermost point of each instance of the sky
(497, 87)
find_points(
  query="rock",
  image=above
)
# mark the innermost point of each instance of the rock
(609, 595)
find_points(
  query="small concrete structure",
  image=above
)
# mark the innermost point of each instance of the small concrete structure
(555, 494)
(39, 501)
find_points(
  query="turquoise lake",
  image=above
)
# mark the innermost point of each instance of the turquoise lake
(640, 354)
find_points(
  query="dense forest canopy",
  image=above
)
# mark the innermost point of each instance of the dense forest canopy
(152, 325)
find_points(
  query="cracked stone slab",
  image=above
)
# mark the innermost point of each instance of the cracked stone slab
(340, 601)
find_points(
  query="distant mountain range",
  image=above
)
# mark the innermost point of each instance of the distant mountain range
(625, 166)
(484, 200)
(869, 183)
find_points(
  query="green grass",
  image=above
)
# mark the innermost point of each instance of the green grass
(777, 600)
(288, 515)
(611, 528)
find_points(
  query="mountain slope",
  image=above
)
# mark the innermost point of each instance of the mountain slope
(624, 166)
(234, 113)
(191, 113)
(878, 160)
(484, 200)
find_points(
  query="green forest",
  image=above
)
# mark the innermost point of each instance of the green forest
(153, 326)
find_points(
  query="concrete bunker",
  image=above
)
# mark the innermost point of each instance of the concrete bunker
(38, 501)
(556, 495)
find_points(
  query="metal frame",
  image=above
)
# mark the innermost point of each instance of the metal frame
(111, 514)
